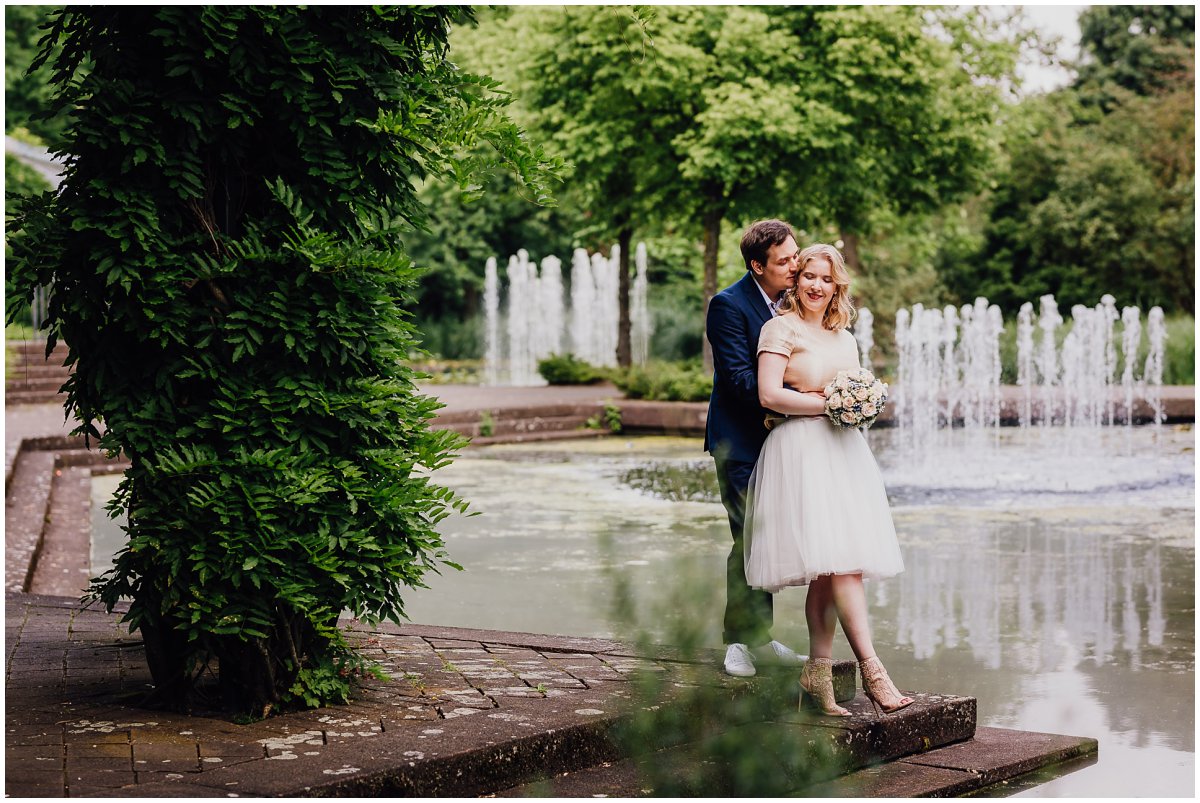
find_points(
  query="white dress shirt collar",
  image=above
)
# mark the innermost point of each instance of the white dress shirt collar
(770, 301)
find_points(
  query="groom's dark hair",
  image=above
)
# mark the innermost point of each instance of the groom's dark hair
(761, 236)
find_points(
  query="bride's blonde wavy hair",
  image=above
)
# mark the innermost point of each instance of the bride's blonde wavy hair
(840, 313)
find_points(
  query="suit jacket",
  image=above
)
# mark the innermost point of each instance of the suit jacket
(735, 418)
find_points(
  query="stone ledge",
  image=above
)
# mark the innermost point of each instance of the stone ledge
(994, 756)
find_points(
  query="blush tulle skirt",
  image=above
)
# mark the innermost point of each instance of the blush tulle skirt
(816, 505)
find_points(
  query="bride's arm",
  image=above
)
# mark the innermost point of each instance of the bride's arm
(774, 396)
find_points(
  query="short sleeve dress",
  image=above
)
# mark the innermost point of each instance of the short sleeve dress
(816, 502)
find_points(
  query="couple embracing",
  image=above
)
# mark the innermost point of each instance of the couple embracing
(805, 499)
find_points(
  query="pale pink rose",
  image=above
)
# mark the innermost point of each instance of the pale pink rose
(848, 418)
(869, 410)
(834, 401)
(861, 393)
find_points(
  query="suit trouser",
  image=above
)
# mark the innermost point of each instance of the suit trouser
(748, 611)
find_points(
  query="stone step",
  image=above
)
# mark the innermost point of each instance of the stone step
(520, 413)
(992, 757)
(35, 384)
(22, 370)
(533, 437)
(36, 348)
(620, 776)
(510, 427)
(32, 397)
(854, 742)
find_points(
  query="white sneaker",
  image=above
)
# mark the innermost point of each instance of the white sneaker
(775, 652)
(739, 662)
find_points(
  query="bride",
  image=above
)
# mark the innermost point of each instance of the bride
(817, 513)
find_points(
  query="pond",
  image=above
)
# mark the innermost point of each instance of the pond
(1049, 573)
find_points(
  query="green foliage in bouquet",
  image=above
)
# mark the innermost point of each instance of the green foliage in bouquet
(227, 268)
(665, 382)
(567, 369)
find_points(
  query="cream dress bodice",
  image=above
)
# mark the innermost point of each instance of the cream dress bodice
(814, 355)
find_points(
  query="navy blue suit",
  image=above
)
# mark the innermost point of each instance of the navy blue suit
(734, 436)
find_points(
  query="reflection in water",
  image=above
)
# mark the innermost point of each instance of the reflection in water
(1050, 577)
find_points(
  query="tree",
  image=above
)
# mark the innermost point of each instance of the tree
(26, 94)
(227, 264)
(1136, 48)
(1099, 178)
(705, 114)
(917, 119)
(590, 86)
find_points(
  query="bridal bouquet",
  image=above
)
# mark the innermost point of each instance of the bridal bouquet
(855, 398)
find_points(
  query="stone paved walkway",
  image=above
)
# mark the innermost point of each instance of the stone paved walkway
(74, 723)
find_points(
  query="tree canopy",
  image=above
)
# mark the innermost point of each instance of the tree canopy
(701, 113)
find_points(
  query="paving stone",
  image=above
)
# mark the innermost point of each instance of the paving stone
(996, 754)
(25, 788)
(96, 762)
(931, 721)
(609, 779)
(155, 787)
(104, 778)
(178, 755)
(95, 748)
(898, 779)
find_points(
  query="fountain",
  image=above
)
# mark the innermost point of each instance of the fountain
(949, 366)
(537, 322)
(864, 334)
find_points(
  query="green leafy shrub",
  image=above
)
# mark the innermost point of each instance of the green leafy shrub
(21, 179)
(665, 382)
(227, 267)
(452, 337)
(567, 369)
(1179, 361)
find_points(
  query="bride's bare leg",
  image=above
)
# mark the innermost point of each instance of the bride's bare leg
(821, 615)
(850, 599)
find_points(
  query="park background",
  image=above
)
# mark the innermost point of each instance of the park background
(907, 137)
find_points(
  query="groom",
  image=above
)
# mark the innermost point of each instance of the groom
(735, 432)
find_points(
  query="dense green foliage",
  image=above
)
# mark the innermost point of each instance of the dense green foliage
(665, 382)
(1136, 48)
(227, 267)
(1034, 194)
(567, 369)
(1097, 193)
(27, 96)
(21, 179)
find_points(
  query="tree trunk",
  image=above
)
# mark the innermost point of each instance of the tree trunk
(166, 655)
(624, 348)
(712, 247)
(850, 252)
